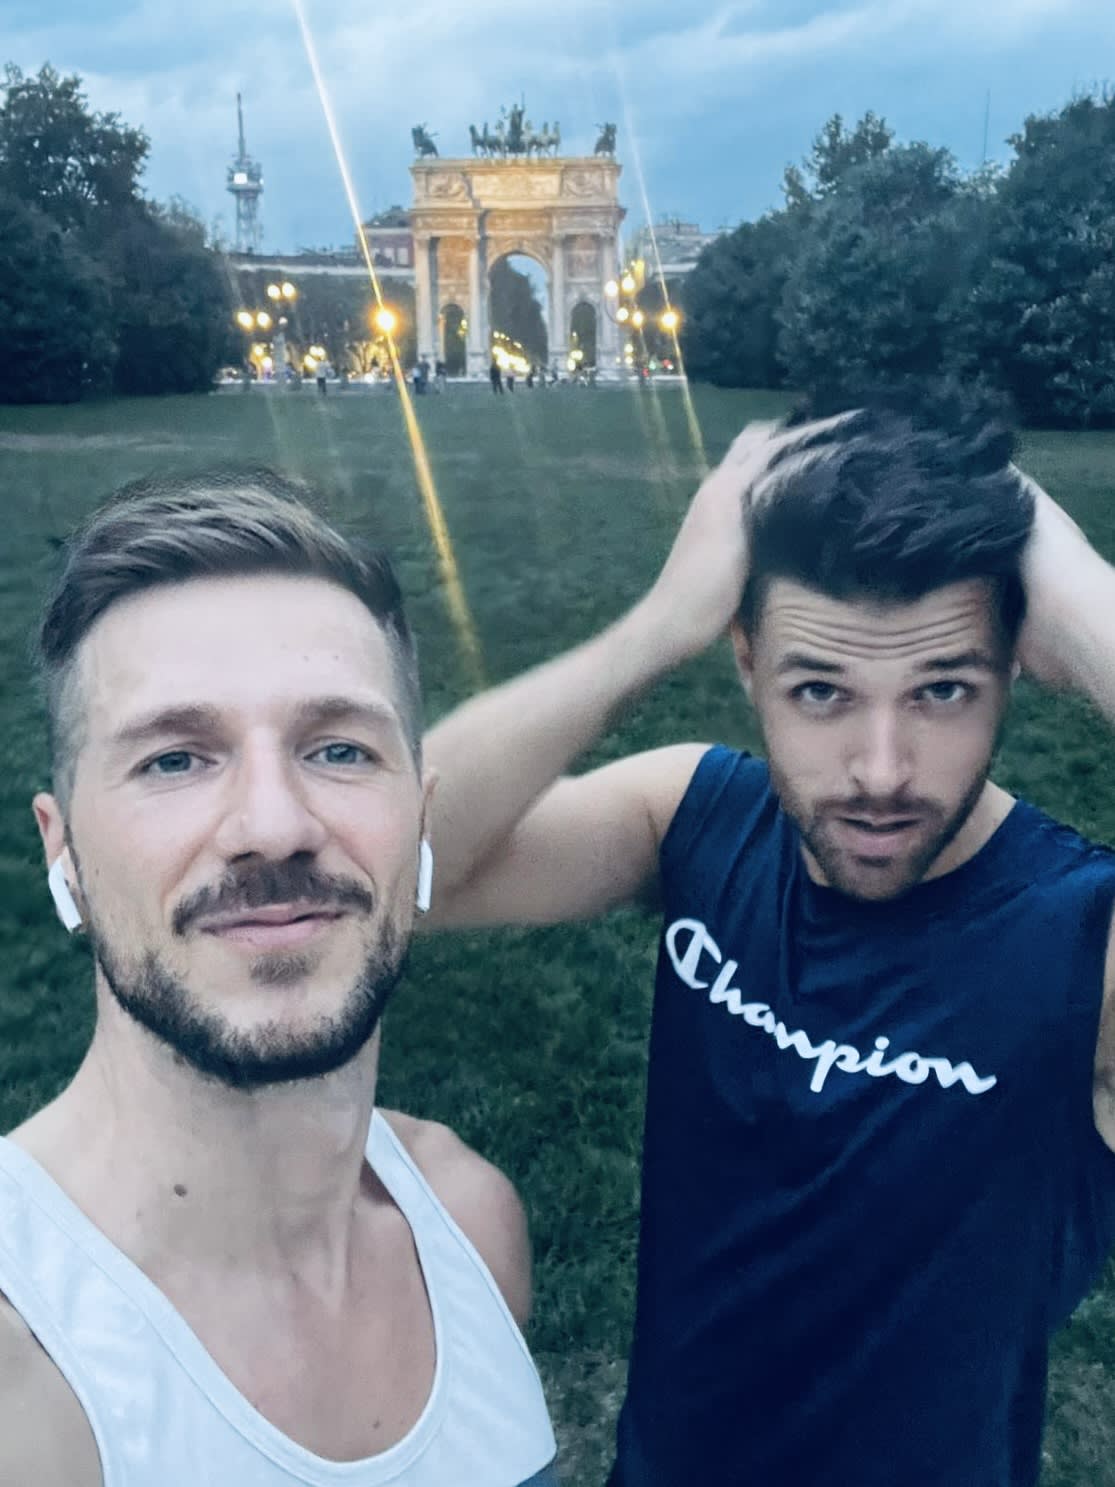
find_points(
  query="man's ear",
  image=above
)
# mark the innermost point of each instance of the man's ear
(52, 829)
(61, 873)
(429, 785)
(741, 645)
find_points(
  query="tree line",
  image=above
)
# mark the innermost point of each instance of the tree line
(101, 290)
(889, 266)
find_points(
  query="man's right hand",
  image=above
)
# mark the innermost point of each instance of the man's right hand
(698, 592)
(699, 589)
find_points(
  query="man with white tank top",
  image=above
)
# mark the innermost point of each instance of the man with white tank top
(219, 1263)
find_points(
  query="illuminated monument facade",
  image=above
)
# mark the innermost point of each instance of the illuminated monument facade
(515, 194)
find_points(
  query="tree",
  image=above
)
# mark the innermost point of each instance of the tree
(834, 153)
(730, 301)
(1043, 308)
(516, 312)
(337, 312)
(732, 298)
(56, 310)
(884, 274)
(172, 304)
(58, 156)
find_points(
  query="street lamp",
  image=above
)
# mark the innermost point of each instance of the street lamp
(386, 320)
(621, 303)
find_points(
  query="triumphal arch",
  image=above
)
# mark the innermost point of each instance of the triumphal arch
(515, 194)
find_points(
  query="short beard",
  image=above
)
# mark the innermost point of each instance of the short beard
(833, 861)
(266, 1055)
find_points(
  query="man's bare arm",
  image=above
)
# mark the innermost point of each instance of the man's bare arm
(45, 1438)
(589, 844)
(1068, 640)
(574, 847)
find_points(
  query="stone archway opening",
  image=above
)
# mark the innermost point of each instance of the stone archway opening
(519, 308)
(582, 336)
(454, 343)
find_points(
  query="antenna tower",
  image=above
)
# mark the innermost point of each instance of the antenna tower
(245, 184)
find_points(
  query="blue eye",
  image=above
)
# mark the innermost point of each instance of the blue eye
(341, 753)
(816, 694)
(178, 761)
(946, 692)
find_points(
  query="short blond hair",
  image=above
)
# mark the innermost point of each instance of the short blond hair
(224, 522)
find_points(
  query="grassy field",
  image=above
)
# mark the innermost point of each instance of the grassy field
(560, 506)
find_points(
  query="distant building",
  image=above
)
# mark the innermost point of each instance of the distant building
(390, 239)
(679, 246)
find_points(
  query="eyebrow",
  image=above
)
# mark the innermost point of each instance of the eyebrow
(972, 660)
(197, 718)
(800, 661)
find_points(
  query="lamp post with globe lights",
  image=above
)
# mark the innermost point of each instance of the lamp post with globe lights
(256, 323)
(282, 296)
(623, 307)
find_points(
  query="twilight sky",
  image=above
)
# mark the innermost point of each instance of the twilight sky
(712, 99)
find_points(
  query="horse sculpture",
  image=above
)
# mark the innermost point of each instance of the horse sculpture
(606, 144)
(423, 141)
(514, 134)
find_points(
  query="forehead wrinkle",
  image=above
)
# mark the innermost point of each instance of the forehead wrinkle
(800, 626)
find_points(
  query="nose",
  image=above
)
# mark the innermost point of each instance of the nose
(881, 765)
(268, 813)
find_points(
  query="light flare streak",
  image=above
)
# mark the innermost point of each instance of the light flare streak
(695, 434)
(435, 515)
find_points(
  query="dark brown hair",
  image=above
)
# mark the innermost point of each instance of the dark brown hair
(886, 507)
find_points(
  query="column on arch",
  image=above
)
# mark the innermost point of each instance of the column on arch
(607, 331)
(479, 351)
(424, 310)
(559, 319)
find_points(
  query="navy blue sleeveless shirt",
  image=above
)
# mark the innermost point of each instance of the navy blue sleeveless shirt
(872, 1183)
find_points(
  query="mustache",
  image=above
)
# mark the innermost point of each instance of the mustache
(878, 805)
(267, 883)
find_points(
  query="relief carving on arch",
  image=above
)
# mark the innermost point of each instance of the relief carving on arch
(512, 185)
(582, 257)
(453, 256)
(443, 187)
(502, 222)
(585, 182)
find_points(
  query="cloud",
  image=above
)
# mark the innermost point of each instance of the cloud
(669, 73)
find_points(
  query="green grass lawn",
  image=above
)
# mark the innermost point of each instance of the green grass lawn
(560, 507)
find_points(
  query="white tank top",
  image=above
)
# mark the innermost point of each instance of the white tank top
(163, 1413)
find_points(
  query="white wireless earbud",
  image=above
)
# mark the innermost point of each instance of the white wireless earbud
(64, 904)
(425, 893)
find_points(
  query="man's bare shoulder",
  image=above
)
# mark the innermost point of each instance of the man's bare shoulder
(45, 1437)
(480, 1199)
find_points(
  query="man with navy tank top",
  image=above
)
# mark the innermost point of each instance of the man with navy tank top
(220, 1264)
(878, 1168)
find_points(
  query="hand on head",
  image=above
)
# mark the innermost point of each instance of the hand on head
(698, 591)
